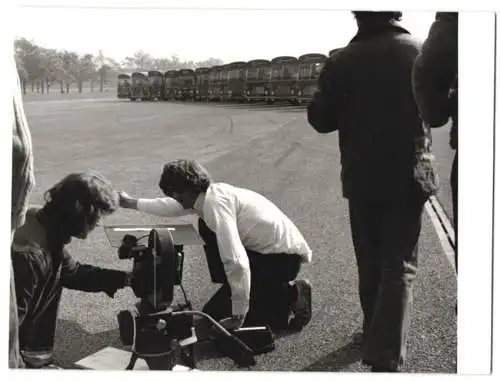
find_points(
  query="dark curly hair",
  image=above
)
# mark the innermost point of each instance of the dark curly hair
(372, 16)
(79, 200)
(181, 175)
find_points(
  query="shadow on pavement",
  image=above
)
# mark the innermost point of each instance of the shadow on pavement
(336, 360)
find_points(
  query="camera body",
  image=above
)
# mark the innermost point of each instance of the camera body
(150, 328)
(157, 267)
(157, 327)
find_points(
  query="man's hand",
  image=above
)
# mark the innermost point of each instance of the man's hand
(232, 323)
(127, 201)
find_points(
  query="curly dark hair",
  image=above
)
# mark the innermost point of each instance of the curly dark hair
(181, 175)
(80, 199)
(372, 16)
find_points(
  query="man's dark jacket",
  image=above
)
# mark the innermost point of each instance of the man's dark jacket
(365, 92)
(42, 268)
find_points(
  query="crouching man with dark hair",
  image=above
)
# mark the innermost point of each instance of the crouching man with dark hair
(42, 266)
(252, 248)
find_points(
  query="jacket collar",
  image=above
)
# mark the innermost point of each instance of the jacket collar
(375, 30)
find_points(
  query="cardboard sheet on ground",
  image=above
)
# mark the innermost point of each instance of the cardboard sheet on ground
(184, 234)
(111, 358)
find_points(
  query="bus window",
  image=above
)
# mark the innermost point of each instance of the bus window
(286, 73)
(276, 72)
(265, 73)
(304, 71)
(316, 69)
(289, 71)
(252, 73)
(236, 74)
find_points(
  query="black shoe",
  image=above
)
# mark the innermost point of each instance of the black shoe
(302, 308)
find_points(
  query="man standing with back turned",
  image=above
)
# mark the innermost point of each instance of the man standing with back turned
(365, 92)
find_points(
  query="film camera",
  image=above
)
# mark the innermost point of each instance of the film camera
(157, 329)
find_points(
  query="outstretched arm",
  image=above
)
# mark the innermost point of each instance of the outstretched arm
(161, 207)
(82, 277)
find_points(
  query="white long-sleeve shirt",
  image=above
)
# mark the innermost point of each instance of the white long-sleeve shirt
(241, 220)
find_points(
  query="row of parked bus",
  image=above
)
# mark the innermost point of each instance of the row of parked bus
(284, 78)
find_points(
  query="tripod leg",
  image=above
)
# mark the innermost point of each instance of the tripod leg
(132, 362)
(188, 356)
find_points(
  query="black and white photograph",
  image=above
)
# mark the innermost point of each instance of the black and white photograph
(249, 186)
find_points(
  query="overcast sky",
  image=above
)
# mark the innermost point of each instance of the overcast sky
(228, 34)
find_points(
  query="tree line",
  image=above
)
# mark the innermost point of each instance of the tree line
(41, 67)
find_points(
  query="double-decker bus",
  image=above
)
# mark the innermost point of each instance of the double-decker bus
(257, 76)
(123, 86)
(187, 82)
(202, 83)
(214, 78)
(156, 84)
(284, 73)
(310, 66)
(140, 86)
(224, 81)
(170, 84)
(236, 81)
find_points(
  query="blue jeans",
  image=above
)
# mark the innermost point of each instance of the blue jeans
(385, 238)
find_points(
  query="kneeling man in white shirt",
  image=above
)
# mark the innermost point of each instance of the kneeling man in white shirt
(252, 247)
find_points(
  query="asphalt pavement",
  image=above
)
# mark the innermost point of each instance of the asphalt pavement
(272, 150)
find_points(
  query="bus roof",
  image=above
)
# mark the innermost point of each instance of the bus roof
(154, 72)
(171, 73)
(258, 63)
(333, 51)
(202, 70)
(312, 57)
(139, 74)
(237, 64)
(123, 75)
(283, 59)
(186, 71)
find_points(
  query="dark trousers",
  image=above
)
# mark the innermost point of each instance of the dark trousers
(385, 238)
(454, 198)
(271, 295)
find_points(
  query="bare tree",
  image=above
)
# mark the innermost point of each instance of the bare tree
(42, 67)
